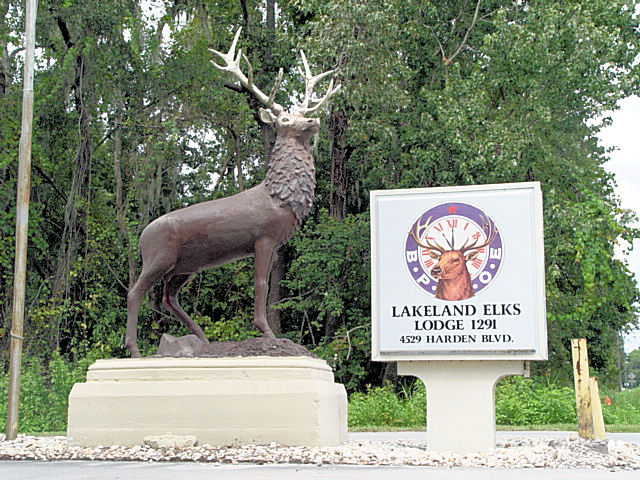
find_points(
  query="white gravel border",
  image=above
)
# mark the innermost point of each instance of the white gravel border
(571, 452)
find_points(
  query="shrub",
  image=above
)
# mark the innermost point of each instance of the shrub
(521, 401)
(44, 392)
(382, 407)
(624, 408)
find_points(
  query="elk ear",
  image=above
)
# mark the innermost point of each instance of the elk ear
(434, 254)
(471, 256)
(266, 116)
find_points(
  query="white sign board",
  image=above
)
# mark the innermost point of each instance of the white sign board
(458, 273)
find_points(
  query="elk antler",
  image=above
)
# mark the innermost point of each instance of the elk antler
(232, 66)
(428, 245)
(491, 231)
(310, 83)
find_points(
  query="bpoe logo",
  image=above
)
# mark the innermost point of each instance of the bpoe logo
(454, 251)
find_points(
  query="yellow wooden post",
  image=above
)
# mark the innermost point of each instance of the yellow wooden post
(581, 381)
(596, 409)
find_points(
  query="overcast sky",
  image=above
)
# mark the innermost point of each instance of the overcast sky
(624, 133)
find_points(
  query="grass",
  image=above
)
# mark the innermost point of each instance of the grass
(521, 404)
(555, 427)
(569, 427)
(552, 427)
(621, 428)
(385, 428)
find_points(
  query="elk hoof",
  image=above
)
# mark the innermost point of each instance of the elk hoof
(135, 353)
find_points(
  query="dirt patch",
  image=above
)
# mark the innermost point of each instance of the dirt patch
(192, 346)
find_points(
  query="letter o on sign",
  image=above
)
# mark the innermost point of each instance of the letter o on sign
(485, 277)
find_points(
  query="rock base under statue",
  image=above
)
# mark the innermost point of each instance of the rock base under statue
(220, 401)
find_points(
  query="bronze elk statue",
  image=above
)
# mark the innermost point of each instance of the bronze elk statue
(255, 222)
(454, 280)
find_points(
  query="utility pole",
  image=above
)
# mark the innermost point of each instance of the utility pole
(22, 222)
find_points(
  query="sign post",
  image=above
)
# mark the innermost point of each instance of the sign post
(458, 297)
(22, 223)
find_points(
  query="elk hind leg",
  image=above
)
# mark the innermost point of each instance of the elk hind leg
(172, 285)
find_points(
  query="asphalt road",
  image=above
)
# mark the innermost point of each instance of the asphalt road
(199, 471)
(202, 471)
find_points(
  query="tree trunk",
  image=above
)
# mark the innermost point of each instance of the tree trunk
(270, 35)
(5, 68)
(74, 216)
(121, 214)
(204, 19)
(237, 146)
(340, 152)
(4, 84)
(390, 374)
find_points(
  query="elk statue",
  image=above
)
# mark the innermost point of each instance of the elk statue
(454, 280)
(255, 222)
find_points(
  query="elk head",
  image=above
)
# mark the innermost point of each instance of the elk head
(454, 281)
(294, 123)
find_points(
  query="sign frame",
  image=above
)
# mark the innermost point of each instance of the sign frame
(540, 350)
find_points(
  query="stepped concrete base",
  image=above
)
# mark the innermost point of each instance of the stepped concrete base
(221, 401)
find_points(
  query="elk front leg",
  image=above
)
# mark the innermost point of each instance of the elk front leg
(152, 271)
(134, 298)
(264, 249)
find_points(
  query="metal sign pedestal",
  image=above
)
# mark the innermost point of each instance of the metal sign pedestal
(460, 400)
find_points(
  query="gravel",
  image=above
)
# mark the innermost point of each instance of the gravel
(571, 452)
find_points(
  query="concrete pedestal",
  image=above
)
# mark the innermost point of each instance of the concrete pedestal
(221, 401)
(460, 401)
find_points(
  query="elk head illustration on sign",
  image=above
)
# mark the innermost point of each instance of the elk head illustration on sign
(255, 222)
(465, 242)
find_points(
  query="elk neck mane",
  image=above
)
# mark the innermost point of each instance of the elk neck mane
(458, 288)
(291, 177)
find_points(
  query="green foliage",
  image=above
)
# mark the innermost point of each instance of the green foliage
(329, 284)
(624, 408)
(382, 407)
(515, 98)
(429, 98)
(521, 401)
(631, 369)
(44, 392)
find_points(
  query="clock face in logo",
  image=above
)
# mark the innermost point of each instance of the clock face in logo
(454, 251)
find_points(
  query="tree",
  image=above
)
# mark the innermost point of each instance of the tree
(503, 92)
(632, 369)
(132, 121)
